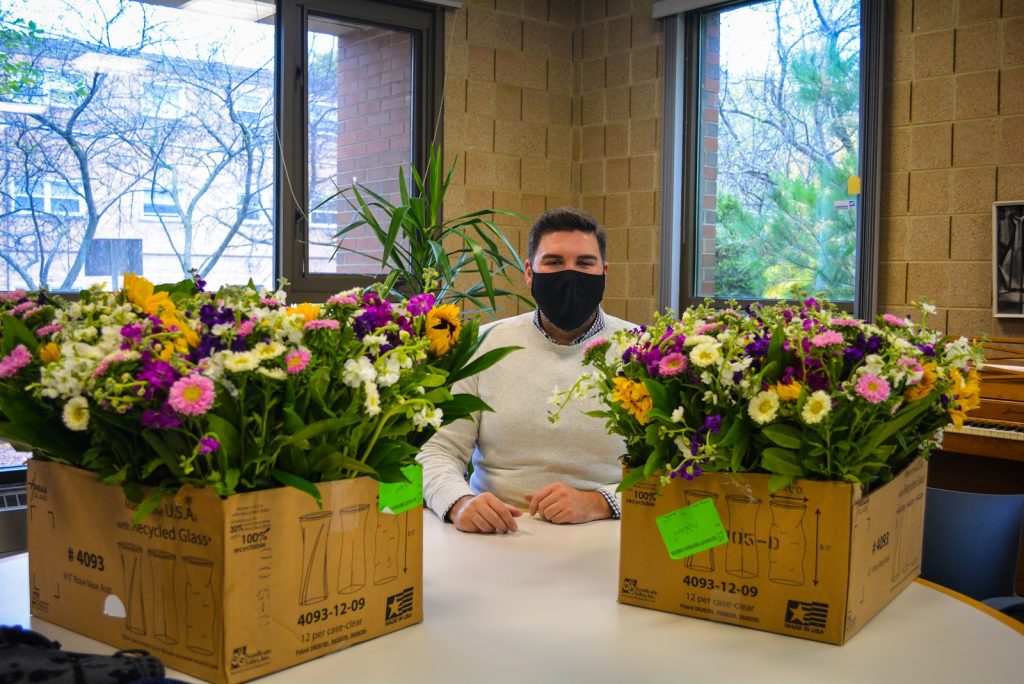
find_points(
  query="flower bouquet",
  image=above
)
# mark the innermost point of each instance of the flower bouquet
(169, 385)
(794, 390)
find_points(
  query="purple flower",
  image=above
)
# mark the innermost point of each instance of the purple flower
(207, 445)
(421, 303)
(927, 349)
(376, 314)
(158, 375)
(759, 347)
(132, 332)
(164, 419)
(211, 315)
(713, 424)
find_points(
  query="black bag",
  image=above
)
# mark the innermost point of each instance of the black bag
(27, 656)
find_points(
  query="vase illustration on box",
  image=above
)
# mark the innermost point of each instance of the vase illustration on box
(165, 608)
(131, 567)
(702, 560)
(741, 551)
(787, 544)
(200, 605)
(313, 580)
(909, 521)
(389, 539)
(352, 561)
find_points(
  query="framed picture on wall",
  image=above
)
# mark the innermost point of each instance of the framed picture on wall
(1008, 259)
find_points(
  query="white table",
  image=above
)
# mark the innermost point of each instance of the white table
(540, 606)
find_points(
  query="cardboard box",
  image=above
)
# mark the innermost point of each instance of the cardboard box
(815, 560)
(223, 589)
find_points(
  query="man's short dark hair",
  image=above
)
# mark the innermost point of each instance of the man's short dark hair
(565, 219)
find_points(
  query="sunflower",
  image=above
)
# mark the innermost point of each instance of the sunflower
(139, 292)
(443, 328)
(306, 310)
(634, 397)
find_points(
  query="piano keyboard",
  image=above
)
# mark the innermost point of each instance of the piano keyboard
(1014, 432)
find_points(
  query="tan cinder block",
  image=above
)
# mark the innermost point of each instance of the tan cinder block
(1013, 8)
(535, 72)
(617, 278)
(898, 97)
(509, 6)
(560, 45)
(928, 238)
(454, 130)
(1011, 139)
(644, 64)
(481, 63)
(970, 11)
(507, 136)
(480, 98)
(480, 133)
(977, 94)
(559, 108)
(480, 25)
(593, 74)
(616, 69)
(616, 174)
(455, 96)
(508, 67)
(641, 244)
(562, 12)
(928, 279)
(643, 136)
(641, 209)
(970, 284)
(534, 180)
(559, 77)
(641, 172)
(933, 54)
(536, 38)
(615, 306)
(932, 100)
(931, 15)
(592, 108)
(478, 198)
(892, 238)
(974, 189)
(594, 205)
(929, 192)
(593, 10)
(895, 193)
(974, 142)
(617, 238)
(617, 8)
(644, 101)
(479, 169)
(559, 176)
(506, 173)
(595, 40)
(509, 201)
(892, 283)
(617, 104)
(896, 148)
(646, 31)
(971, 237)
(619, 30)
(1013, 45)
(969, 322)
(533, 141)
(558, 139)
(1011, 90)
(592, 176)
(976, 47)
(930, 146)
(899, 16)
(641, 280)
(616, 139)
(508, 102)
(535, 106)
(1010, 182)
(640, 311)
(508, 32)
(1007, 327)
(616, 210)
(900, 53)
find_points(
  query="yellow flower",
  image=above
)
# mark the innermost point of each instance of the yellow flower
(443, 328)
(923, 388)
(49, 352)
(967, 393)
(139, 292)
(634, 398)
(307, 310)
(787, 392)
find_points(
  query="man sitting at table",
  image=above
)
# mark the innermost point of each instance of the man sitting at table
(564, 472)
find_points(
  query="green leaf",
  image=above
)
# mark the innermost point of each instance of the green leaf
(303, 484)
(632, 477)
(781, 461)
(659, 395)
(783, 435)
(777, 482)
(14, 332)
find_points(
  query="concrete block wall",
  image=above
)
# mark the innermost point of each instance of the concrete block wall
(953, 143)
(558, 102)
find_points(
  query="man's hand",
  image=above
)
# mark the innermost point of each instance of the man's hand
(560, 503)
(484, 513)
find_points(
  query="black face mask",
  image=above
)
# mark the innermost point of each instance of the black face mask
(567, 298)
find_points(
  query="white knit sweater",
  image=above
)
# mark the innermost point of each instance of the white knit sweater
(517, 450)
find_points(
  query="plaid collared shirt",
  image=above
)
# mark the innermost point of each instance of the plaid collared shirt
(596, 327)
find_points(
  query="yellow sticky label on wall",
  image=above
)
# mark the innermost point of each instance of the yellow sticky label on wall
(853, 185)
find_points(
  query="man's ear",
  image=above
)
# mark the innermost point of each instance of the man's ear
(528, 273)
(606, 268)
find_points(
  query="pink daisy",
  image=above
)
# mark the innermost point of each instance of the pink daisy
(342, 299)
(846, 322)
(15, 361)
(894, 320)
(319, 323)
(192, 395)
(827, 339)
(245, 328)
(672, 364)
(873, 388)
(296, 361)
(596, 342)
(706, 328)
(47, 329)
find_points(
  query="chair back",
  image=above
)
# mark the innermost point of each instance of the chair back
(972, 541)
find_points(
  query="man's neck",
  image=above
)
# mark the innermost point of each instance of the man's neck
(564, 337)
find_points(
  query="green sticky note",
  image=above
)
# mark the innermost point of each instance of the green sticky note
(397, 497)
(691, 529)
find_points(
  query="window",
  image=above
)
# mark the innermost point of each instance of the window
(231, 110)
(772, 146)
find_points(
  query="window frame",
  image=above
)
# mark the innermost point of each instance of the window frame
(425, 21)
(679, 239)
